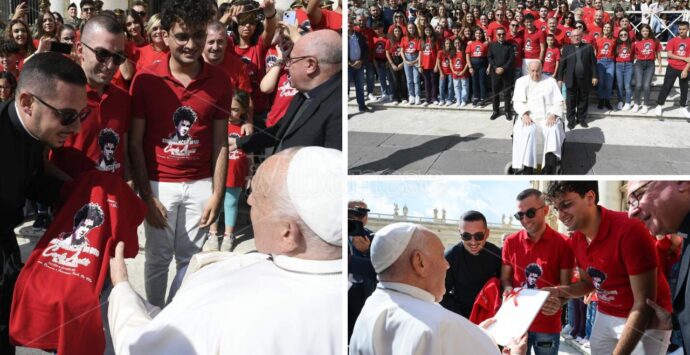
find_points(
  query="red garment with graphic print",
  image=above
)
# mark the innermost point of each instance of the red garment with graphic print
(255, 59)
(238, 164)
(488, 301)
(56, 299)
(284, 94)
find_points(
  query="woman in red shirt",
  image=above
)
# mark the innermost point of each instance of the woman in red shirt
(646, 48)
(477, 58)
(603, 47)
(624, 69)
(18, 32)
(410, 48)
(395, 61)
(427, 61)
(157, 49)
(134, 26)
(443, 64)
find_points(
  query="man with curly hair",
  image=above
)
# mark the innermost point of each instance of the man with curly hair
(180, 173)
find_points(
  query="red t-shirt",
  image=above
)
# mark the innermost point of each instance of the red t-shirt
(666, 258)
(541, 25)
(594, 30)
(445, 62)
(623, 53)
(477, 49)
(394, 48)
(147, 55)
(631, 31)
(680, 47)
(560, 37)
(329, 19)
(281, 101)
(588, 16)
(551, 57)
(519, 34)
(392, 27)
(379, 48)
(604, 47)
(100, 142)
(533, 43)
(517, 44)
(544, 259)
(646, 49)
(410, 46)
(179, 152)
(238, 164)
(56, 298)
(428, 59)
(459, 63)
(236, 71)
(254, 57)
(491, 29)
(622, 247)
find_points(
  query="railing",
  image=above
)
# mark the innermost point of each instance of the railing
(655, 20)
(428, 220)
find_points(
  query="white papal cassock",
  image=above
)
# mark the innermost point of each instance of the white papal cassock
(399, 319)
(248, 304)
(539, 99)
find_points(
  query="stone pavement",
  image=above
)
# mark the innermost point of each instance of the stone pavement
(445, 141)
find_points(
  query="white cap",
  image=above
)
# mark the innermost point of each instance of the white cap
(389, 243)
(315, 180)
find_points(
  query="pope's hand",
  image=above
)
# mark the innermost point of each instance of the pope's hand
(526, 120)
(517, 346)
(550, 120)
(487, 323)
(118, 270)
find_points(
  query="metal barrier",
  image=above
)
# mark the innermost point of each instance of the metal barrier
(654, 19)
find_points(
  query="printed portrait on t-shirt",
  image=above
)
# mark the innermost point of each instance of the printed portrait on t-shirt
(647, 48)
(528, 45)
(380, 47)
(477, 51)
(532, 274)
(598, 279)
(605, 49)
(624, 52)
(108, 141)
(66, 249)
(237, 153)
(183, 118)
(681, 49)
(458, 63)
(548, 57)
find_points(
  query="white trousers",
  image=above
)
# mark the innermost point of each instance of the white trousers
(182, 237)
(528, 139)
(607, 331)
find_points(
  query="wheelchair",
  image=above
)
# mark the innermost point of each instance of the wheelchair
(552, 165)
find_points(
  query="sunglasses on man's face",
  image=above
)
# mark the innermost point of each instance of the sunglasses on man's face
(103, 55)
(479, 236)
(67, 115)
(530, 213)
(140, 13)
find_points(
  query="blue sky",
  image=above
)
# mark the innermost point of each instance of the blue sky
(493, 198)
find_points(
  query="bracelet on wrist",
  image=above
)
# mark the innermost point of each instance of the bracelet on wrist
(275, 12)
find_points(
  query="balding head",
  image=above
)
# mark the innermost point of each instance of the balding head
(100, 23)
(320, 53)
(422, 264)
(296, 211)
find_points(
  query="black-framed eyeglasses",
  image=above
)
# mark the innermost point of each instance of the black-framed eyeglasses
(530, 213)
(102, 55)
(500, 34)
(479, 236)
(635, 196)
(88, 9)
(513, 25)
(67, 115)
(182, 38)
(140, 13)
(293, 60)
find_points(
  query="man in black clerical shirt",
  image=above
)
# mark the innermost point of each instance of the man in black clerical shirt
(577, 69)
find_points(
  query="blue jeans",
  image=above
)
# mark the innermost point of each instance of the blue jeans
(624, 73)
(479, 78)
(382, 72)
(543, 343)
(357, 75)
(605, 68)
(571, 307)
(591, 313)
(445, 87)
(644, 72)
(370, 72)
(413, 77)
(461, 90)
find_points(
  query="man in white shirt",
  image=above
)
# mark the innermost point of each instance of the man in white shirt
(538, 102)
(286, 299)
(403, 315)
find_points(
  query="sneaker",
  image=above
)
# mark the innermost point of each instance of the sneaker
(405, 102)
(440, 103)
(635, 108)
(411, 99)
(658, 110)
(458, 105)
(568, 336)
(644, 109)
(579, 340)
(567, 329)
(384, 98)
(607, 104)
(686, 113)
(211, 243)
(372, 97)
(586, 344)
(229, 242)
(463, 104)
(417, 100)
(448, 103)
(620, 105)
(626, 107)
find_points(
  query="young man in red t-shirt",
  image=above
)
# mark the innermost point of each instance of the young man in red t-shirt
(535, 44)
(533, 258)
(678, 49)
(101, 143)
(378, 50)
(614, 255)
(179, 143)
(552, 56)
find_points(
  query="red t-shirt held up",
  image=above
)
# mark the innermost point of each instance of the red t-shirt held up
(622, 247)
(551, 57)
(538, 265)
(178, 140)
(56, 298)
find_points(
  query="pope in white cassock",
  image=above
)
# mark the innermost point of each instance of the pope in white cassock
(403, 317)
(286, 299)
(538, 102)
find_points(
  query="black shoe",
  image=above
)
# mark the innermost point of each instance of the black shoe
(600, 105)
(365, 109)
(494, 116)
(607, 104)
(42, 221)
(584, 124)
(571, 125)
(509, 117)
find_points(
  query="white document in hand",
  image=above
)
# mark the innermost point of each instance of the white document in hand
(513, 321)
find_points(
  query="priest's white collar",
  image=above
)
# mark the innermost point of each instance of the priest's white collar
(16, 107)
(409, 290)
(307, 267)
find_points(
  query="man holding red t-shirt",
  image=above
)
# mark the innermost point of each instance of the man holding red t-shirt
(614, 258)
(537, 257)
(678, 49)
(179, 144)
